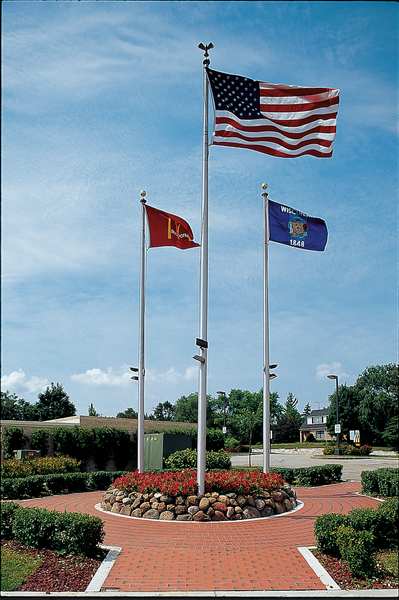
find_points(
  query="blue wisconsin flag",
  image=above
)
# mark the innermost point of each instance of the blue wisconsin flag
(294, 228)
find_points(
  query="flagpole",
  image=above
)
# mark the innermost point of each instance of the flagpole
(141, 374)
(266, 361)
(203, 348)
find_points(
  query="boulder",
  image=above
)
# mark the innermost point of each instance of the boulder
(155, 505)
(167, 515)
(231, 495)
(210, 512)
(137, 512)
(145, 506)
(116, 507)
(157, 495)
(204, 503)
(278, 496)
(251, 512)
(170, 507)
(267, 511)
(127, 500)
(237, 517)
(219, 506)
(166, 499)
(279, 508)
(251, 501)
(238, 510)
(184, 518)
(230, 512)
(241, 501)
(218, 516)
(151, 514)
(288, 504)
(224, 499)
(180, 500)
(192, 500)
(201, 516)
(212, 500)
(259, 503)
(180, 509)
(161, 506)
(126, 510)
(192, 510)
(215, 495)
(137, 503)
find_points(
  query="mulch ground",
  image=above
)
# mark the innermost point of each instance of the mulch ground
(339, 571)
(57, 573)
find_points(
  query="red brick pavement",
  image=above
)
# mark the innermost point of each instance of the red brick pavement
(244, 555)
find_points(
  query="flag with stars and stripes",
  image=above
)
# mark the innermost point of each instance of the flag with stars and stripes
(282, 120)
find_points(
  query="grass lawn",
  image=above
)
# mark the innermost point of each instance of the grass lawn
(16, 568)
(388, 561)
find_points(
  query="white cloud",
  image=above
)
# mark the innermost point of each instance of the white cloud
(121, 376)
(334, 368)
(17, 381)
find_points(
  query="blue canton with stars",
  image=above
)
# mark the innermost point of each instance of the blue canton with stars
(239, 95)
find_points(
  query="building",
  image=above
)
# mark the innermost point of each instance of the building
(315, 424)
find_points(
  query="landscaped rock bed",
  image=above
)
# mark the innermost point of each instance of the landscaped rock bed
(212, 506)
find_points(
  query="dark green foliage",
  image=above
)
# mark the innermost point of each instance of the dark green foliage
(16, 409)
(389, 510)
(40, 441)
(381, 482)
(307, 410)
(214, 439)
(187, 459)
(34, 486)
(66, 533)
(129, 413)
(356, 548)
(311, 476)
(164, 411)
(368, 519)
(54, 403)
(13, 439)
(326, 528)
(231, 443)
(7, 510)
(390, 434)
(288, 422)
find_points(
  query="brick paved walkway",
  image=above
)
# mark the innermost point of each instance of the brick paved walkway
(245, 555)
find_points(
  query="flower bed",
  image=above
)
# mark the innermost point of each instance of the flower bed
(173, 496)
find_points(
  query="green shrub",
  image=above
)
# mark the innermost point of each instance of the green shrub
(326, 528)
(310, 438)
(381, 482)
(231, 443)
(215, 439)
(356, 548)
(389, 510)
(368, 519)
(63, 532)
(40, 441)
(328, 449)
(13, 439)
(287, 473)
(34, 486)
(187, 459)
(310, 476)
(39, 466)
(7, 510)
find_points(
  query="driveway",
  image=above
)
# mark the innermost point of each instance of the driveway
(352, 467)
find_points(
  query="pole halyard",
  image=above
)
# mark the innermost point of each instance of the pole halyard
(141, 374)
(202, 387)
(266, 361)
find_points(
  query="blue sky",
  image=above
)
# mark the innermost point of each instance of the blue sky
(101, 100)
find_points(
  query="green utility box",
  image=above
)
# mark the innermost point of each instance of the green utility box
(158, 446)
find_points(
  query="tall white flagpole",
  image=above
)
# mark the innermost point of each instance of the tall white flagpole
(266, 374)
(141, 374)
(203, 346)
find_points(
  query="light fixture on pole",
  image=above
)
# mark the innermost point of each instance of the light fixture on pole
(135, 370)
(223, 394)
(337, 427)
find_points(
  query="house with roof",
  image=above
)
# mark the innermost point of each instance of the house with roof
(316, 424)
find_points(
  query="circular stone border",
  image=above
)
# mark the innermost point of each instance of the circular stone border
(212, 506)
(298, 507)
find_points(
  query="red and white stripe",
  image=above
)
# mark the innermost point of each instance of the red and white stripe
(297, 121)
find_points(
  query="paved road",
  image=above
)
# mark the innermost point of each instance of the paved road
(352, 468)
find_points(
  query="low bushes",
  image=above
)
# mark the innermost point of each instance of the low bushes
(311, 476)
(381, 482)
(38, 466)
(184, 482)
(35, 486)
(354, 537)
(187, 459)
(13, 439)
(348, 450)
(231, 443)
(66, 533)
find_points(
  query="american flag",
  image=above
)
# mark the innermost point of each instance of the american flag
(277, 119)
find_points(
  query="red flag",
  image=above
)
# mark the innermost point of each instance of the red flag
(168, 230)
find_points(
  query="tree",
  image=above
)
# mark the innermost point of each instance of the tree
(92, 411)
(307, 410)
(164, 411)
(289, 422)
(186, 409)
(54, 403)
(15, 408)
(391, 433)
(378, 390)
(246, 421)
(129, 413)
(348, 409)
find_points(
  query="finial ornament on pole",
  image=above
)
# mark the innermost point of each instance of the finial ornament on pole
(205, 48)
(143, 194)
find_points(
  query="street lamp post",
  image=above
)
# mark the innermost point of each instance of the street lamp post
(337, 407)
(223, 394)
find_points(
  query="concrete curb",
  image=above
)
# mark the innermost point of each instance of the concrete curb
(299, 506)
(104, 569)
(217, 594)
(318, 568)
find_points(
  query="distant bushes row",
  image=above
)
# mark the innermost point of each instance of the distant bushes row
(381, 482)
(66, 533)
(310, 476)
(356, 536)
(38, 466)
(348, 450)
(34, 486)
(187, 459)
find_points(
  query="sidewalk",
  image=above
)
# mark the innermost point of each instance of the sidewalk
(243, 555)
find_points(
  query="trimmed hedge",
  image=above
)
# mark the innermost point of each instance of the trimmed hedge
(38, 466)
(187, 459)
(311, 476)
(356, 548)
(66, 533)
(326, 527)
(35, 486)
(390, 511)
(381, 482)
